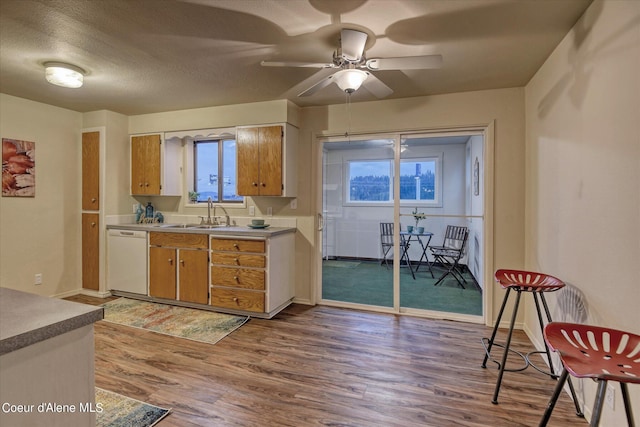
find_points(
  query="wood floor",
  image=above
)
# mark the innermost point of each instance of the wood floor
(324, 366)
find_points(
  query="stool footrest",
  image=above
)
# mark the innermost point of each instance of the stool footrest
(542, 371)
(485, 344)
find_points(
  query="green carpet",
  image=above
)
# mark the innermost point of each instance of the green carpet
(116, 410)
(371, 283)
(190, 323)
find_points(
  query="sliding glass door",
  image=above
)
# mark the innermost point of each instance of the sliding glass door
(356, 200)
(386, 201)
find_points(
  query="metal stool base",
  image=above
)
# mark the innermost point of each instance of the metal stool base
(486, 342)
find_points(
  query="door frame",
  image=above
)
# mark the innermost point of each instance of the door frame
(487, 130)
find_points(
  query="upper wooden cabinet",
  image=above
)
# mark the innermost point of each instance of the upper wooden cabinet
(91, 171)
(266, 160)
(155, 166)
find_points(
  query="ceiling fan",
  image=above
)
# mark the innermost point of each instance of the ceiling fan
(354, 69)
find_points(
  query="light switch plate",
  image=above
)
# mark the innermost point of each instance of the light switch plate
(294, 204)
(252, 211)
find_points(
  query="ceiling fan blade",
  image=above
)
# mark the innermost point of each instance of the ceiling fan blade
(376, 86)
(295, 64)
(316, 87)
(405, 63)
(352, 44)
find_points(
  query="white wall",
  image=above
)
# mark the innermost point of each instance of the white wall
(583, 176)
(43, 234)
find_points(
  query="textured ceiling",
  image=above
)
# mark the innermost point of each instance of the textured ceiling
(144, 56)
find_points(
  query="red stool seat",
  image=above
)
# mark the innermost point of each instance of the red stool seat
(528, 281)
(602, 354)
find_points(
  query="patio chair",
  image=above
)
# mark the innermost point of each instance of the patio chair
(448, 255)
(386, 240)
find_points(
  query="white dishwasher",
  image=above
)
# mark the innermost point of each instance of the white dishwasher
(127, 261)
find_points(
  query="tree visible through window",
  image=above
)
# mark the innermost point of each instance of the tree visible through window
(215, 171)
(371, 180)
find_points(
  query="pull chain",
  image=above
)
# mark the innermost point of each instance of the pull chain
(347, 134)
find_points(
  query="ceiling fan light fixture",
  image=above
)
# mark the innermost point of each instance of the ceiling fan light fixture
(65, 75)
(350, 80)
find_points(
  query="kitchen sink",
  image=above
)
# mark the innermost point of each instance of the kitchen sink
(208, 226)
(172, 225)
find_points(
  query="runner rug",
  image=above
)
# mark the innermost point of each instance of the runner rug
(190, 323)
(116, 410)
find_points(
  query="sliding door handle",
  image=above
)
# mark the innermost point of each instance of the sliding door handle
(320, 222)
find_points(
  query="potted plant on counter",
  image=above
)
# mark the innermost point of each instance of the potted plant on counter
(193, 196)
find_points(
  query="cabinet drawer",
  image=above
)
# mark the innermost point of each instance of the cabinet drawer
(237, 245)
(179, 240)
(238, 299)
(241, 260)
(237, 278)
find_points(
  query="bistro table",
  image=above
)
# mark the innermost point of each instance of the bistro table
(424, 239)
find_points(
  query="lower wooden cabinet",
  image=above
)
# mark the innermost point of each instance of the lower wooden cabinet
(238, 274)
(242, 275)
(178, 267)
(90, 251)
(251, 274)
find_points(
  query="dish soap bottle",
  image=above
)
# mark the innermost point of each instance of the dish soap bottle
(149, 212)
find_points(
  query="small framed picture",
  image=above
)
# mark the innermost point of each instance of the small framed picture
(18, 168)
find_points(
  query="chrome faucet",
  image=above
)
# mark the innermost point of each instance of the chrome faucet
(227, 220)
(213, 220)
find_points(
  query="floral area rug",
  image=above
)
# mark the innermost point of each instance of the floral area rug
(116, 410)
(190, 323)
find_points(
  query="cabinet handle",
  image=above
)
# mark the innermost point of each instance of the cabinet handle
(255, 184)
(263, 184)
(237, 261)
(235, 299)
(170, 261)
(235, 245)
(146, 184)
(93, 200)
(182, 261)
(236, 278)
(139, 184)
(93, 224)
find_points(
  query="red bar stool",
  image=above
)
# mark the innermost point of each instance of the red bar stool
(602, 354)
(536, 284)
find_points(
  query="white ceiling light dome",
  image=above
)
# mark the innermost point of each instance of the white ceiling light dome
(65, 75)
(350, 80)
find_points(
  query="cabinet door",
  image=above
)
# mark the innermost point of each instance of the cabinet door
(152, 164)
(145, 164)
(248, 155)
(193, 273)
(162, 273)
(90, 251)
(137, 164)
(91, 171)
(270, 161)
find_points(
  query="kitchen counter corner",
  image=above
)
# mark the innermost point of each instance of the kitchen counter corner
(26, 319)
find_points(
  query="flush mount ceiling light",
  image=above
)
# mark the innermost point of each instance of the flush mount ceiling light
(65, 75)
(350, 80)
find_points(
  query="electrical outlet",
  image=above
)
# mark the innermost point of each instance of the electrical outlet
(294, 204)
(135, 208)
(269, 211)
(252, 211)
(38, 279)
(610, 396)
